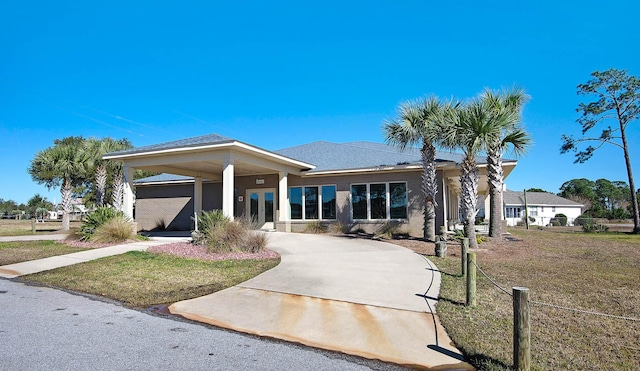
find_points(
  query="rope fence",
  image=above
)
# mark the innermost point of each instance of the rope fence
(576, 310)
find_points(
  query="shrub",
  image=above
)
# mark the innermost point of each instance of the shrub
(388, 229)
(592, 226)
(338, 227)
(117, 229)
(315, 227)
(255, 242)
(249, 222)
(219, 234)
(95, 219)
(561, 219)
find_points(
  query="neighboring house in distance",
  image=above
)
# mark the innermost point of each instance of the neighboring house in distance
(362, 185)
(542, 207)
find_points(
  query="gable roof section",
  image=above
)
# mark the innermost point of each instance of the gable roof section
(515, 198)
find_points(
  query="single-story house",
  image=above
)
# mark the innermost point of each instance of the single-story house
(360, 184)
(542, 207)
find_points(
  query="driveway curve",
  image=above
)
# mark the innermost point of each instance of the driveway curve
(357, 296)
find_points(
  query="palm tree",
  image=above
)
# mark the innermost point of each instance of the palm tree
(507, 114)
(63, 165)
(419, 122)
(469, 128)
(98, 148)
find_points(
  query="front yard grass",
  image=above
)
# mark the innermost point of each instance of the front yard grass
(20, 251)
(142, 279)
(598, 273)
(12, 227)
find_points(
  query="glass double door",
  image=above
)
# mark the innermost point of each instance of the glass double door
(261, 207)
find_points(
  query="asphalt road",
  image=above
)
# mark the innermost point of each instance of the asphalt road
(48, 329)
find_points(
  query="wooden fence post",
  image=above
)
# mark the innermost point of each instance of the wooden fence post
(464, 248)
(471, 280)
(33, 226)
(521, 329)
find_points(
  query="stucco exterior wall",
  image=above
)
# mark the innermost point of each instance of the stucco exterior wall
(172, 205)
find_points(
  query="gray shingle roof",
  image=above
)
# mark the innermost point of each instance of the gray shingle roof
(536, 199)
(355, 155)
(203, 140)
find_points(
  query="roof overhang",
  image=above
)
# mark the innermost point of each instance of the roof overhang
(209, 160)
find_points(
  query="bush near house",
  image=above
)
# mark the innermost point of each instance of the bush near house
(106, 225)
(222, 235)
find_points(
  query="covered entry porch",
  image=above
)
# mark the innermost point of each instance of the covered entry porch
(243, 179)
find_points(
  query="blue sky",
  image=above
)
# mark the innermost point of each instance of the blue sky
(282, 73)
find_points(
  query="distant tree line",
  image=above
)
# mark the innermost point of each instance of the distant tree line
(601, 198)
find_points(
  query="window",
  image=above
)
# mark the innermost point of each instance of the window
(328, 202)
(311, 202)
(398, 197)
(513, 212)
(553, 209)
(307, 202)
(359, 201)
(379, 201)
(295, 201)
(533, 211)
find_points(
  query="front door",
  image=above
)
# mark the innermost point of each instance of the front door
(261, 207)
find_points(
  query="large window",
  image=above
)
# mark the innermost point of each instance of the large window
(312, 203)
(378, 201)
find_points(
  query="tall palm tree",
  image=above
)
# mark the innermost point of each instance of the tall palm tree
(63, 165)
(419, 122)
(507, 113)
(469, 128)
(103, 168)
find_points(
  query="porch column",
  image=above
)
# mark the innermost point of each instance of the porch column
(283, 199)
(445, 202)
(227, 188)
(197, 195)
(127, 202)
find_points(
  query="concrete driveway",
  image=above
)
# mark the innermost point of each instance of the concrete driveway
(357, 296)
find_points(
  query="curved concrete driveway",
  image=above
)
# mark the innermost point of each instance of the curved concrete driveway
(356, 296)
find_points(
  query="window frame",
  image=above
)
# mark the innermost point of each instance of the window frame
(386, 199)
(319, 202)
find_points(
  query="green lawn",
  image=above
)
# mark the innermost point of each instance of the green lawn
(20, 251)
(142, 279)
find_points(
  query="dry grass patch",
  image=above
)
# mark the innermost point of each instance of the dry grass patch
(598, 273)
(142, 279)
(21, 251)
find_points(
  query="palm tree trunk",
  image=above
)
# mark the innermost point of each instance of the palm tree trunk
(469, 198)
(66, 193)
(118, 191)
(101, 184)
(495, 175)
(429, 190)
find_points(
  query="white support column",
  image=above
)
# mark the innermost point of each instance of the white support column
(127, 202)
(197, 195)
(283, 198)
(227, 188)
(445, 202)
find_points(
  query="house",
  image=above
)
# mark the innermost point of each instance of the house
(542, 207)
(360, 184)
